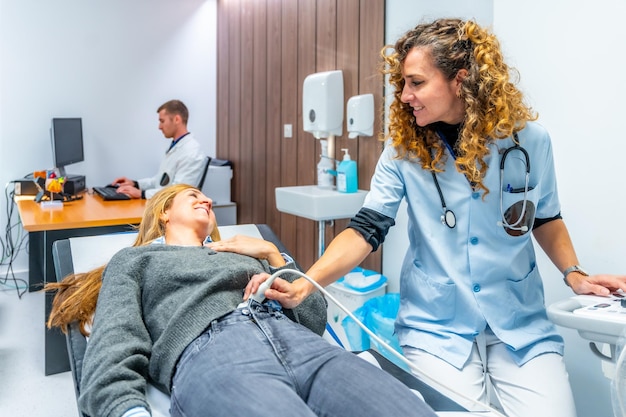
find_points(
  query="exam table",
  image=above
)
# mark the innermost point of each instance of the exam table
(82, 254)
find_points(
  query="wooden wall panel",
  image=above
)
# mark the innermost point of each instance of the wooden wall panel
(265, 50)
(290, 111)
(274, 128)
(347, 54)
(230, 97)
(244, 163)
(260, 101)
(224, 41)
(371, 20)
(306, 230)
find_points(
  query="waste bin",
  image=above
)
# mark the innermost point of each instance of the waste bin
(379, 315)
(352, 291)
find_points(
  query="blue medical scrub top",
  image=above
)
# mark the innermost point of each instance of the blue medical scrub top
(455, 282)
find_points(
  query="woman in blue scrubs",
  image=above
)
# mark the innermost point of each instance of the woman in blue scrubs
(477, 172)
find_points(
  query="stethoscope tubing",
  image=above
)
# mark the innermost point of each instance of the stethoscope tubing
(516, 147)
(449, 218)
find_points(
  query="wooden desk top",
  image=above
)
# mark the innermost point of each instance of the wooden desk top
(90, 211)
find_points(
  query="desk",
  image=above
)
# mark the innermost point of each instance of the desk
(89, 216)
(86, 217)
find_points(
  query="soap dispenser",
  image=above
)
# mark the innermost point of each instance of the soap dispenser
(347, 179)
(325, 168)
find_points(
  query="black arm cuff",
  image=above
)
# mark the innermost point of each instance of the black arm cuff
(372, 225)
(143, 194)
(541, 222)
(135, 184)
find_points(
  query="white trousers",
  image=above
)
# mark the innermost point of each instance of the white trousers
(540, 387)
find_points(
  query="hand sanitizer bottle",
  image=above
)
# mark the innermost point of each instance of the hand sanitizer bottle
(347, 179)
(325, 168)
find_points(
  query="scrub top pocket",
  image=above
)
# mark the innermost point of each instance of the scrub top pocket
(517, 213)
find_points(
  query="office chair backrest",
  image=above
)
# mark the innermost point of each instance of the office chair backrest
(204, 172)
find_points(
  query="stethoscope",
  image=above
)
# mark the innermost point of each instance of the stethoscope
(449, 218)
(503, 222)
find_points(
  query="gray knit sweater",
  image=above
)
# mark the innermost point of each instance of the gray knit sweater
(154, 301)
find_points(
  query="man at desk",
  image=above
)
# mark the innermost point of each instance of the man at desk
(184, 160)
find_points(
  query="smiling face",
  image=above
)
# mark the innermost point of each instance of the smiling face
(190, 217)
(432, 96)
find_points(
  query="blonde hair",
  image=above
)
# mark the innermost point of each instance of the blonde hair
(77, 294)
(494, 107)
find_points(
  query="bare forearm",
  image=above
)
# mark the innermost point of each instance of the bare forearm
(555, 241)
(347, 250)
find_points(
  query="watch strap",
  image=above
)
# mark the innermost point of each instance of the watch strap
(573, 268)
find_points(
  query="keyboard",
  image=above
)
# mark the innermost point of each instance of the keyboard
(110, 193)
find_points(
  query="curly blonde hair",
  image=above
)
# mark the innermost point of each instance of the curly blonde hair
(494, 107)
(76, 296)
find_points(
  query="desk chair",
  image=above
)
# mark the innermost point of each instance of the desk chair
(82, 254)
(204, 171)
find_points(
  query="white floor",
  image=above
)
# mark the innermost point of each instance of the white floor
(24, 389)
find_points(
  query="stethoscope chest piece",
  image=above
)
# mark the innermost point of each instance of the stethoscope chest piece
(449, 219)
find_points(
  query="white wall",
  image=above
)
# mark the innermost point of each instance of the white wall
(112, 63)
(568, 55)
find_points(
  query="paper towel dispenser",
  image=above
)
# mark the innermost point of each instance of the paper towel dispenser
(322, 104)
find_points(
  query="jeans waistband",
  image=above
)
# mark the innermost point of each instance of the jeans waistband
(251, 310)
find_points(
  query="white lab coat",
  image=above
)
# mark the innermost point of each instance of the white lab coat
(183, 164)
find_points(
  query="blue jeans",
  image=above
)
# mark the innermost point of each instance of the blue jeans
(255, 362)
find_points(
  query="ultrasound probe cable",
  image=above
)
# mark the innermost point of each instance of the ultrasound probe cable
(472, 404)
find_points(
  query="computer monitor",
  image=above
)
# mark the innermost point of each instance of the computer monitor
(67, 142)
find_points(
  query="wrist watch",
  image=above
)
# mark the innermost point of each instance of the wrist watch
(573, 268)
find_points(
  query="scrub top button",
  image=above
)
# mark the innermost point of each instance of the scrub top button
(474, 241)
(475, 195)
(476, 288)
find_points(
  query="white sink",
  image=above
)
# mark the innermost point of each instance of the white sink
(316, 203)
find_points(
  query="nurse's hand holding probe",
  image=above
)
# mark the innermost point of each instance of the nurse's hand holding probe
(280, 290)
(347, 249)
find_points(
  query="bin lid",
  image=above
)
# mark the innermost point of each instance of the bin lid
(362, 280)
